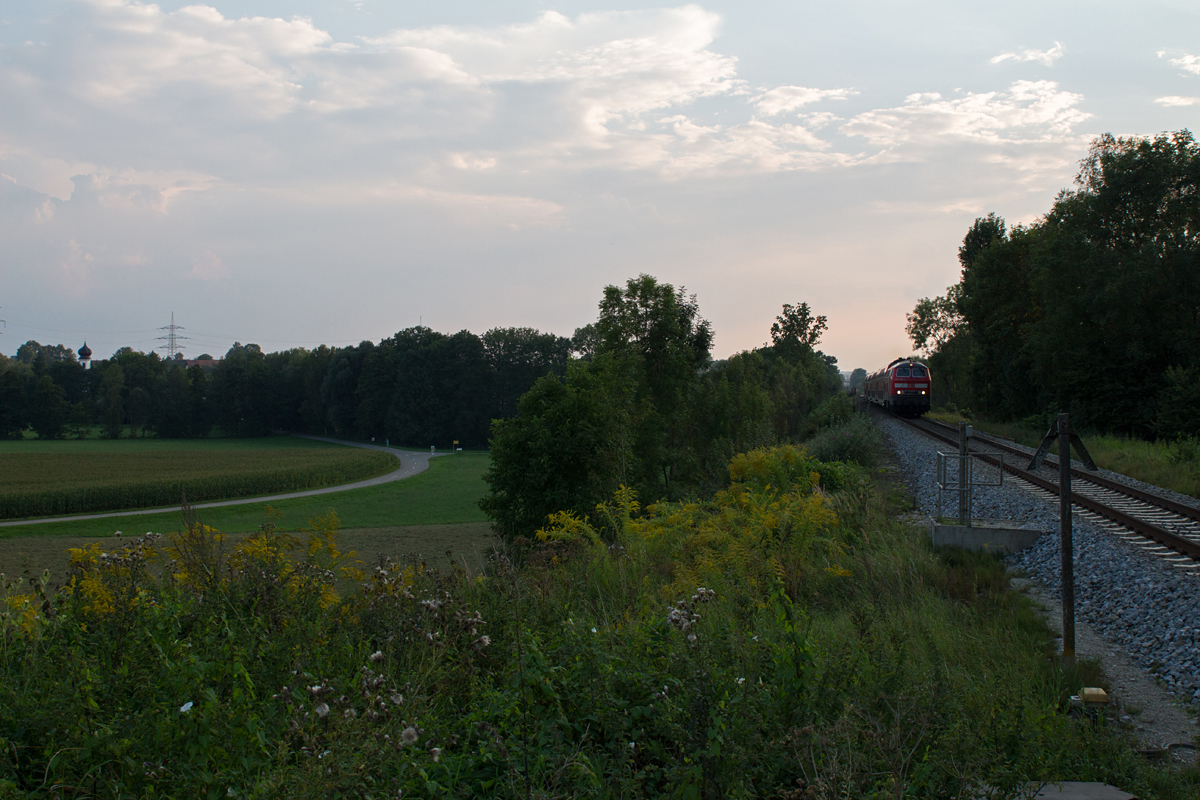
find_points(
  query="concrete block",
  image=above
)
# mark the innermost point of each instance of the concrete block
(990, 535)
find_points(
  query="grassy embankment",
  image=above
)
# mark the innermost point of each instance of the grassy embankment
(1171, 465)
(785, 638)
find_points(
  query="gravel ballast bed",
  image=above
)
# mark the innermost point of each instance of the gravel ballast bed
(1134, 599)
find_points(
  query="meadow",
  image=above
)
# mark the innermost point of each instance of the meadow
(786, 637)
(428, 513)
(48, 478)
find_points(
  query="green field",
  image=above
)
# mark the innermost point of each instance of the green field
(428, 513)
(445, 493)
(48, 478)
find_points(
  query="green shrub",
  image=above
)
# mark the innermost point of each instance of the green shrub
(836, 410)
(856, 441)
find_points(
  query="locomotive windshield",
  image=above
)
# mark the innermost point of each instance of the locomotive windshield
(902, 372)
(918, 372)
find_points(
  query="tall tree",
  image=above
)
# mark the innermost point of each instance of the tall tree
(48, 409)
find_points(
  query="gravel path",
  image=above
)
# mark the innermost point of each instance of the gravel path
(1144, 610)
(410, 463)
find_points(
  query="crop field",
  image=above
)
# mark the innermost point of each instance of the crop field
(75, 477)
(427, 514)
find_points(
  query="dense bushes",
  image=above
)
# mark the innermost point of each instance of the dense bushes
(855, 440)
(649, 409)
(780, 639)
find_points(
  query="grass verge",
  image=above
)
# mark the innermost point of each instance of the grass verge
(1171, 465)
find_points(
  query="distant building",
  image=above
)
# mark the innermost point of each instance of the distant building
(206, 364)
(85, 355)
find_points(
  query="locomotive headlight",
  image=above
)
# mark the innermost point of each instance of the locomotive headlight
(922, 391)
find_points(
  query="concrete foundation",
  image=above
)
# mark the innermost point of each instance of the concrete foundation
(990, 535)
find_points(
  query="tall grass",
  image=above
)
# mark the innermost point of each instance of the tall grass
(46, 484)
(783, 638)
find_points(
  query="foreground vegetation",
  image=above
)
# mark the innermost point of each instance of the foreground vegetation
(782, 638)
(54, 478)
(1173, 465)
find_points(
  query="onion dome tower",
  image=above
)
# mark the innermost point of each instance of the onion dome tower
(85, 355)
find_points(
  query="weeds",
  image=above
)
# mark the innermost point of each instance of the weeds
(827, 653)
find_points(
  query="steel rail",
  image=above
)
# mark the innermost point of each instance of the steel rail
(1173, 506)
(1177, 543)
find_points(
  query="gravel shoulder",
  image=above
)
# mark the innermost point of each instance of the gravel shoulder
(1138, 615)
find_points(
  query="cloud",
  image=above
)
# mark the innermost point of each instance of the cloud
(1186, 63)
(789, 98)
(1026, 111)
(208, 266)
(1046, 57)
(1171, 101)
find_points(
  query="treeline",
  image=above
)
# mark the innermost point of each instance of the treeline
(1093, 309)
(647, 408)
(419, 387)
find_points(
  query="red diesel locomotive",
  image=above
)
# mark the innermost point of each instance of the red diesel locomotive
(902, 387)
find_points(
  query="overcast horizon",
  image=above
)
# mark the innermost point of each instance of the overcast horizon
(300, 173)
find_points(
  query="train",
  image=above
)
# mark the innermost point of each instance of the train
(902, 387)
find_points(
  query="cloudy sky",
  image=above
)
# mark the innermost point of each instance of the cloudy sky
(292, 173)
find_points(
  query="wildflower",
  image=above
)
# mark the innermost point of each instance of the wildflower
(436, 752)
(593, 630)
(409, 736)
(322, 710)
(397, 698)
(633, 745)
(377, 656)
(740, 681)
(186, 707)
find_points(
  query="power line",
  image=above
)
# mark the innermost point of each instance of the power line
(172, 338)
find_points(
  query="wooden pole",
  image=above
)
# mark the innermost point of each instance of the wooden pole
(1068, 552)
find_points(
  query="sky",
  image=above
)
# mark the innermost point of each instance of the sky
(323, 171)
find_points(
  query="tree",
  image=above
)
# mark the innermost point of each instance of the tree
(797, 327)
(79, 420)
(112, 414)
(935, 321)
(49, 409)
(567, 450)
(199, 410)
(29, 352)
(13, 408)
(659, 345)
(858, 378)
(173, 408)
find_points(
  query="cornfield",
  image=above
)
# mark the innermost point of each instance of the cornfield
(51, 484)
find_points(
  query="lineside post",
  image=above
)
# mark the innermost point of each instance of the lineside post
(1068, 551)
(964, 477)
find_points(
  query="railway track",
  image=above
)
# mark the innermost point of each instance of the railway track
(1162, 526)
